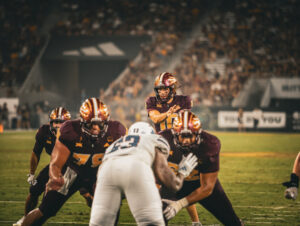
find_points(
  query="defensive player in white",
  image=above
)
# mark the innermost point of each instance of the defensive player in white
(130, 166)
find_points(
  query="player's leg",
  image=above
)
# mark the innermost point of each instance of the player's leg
(107, 197)
(37, 189)
(34, 192)
(142, 194)
(51, 204)
(192, 210)
(219, 205)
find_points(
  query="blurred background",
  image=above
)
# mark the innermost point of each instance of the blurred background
(235, 58)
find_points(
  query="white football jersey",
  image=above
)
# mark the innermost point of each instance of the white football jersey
(141, 147)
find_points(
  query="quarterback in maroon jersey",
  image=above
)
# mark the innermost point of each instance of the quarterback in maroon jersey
(80, 148)
(163, 107)
(202, 185)
(45, 138)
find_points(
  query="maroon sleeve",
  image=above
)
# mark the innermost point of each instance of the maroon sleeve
(151, 104)
(68, 134)
(117, 129)
(39, 141)
(212, 154)
(187, 103)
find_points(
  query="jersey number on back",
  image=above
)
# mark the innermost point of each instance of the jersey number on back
(125, 142)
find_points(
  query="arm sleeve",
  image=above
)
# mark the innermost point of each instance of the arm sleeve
(121, 131)
(65, 135)
(213, 157)
(150, 104)
(39, 143)
(187, 103)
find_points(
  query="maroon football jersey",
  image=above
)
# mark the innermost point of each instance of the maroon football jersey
(44, 138)
(152, 103)
(86, 154)
(207, 153)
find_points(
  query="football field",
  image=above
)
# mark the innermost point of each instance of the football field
(252, 168)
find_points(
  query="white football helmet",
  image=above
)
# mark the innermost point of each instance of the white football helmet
(140, 128)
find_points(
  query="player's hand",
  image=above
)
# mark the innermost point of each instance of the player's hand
(31, 180)
(175, 108)
(88, 198)
(187, 164)
(291, 193)
(173, 207)
(55, 183)
(172, 110)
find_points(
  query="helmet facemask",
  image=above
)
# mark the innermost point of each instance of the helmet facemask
(169, 96)
(87, 128)
(53, 128)
(195, 140)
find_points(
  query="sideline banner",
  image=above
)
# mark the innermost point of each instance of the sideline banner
(229, 119)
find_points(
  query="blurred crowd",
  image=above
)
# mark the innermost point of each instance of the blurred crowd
(247, 39)
(243, 40)
(20, 40)
(239, 39)
(24, 116)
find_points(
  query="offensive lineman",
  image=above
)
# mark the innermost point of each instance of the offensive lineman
(203, 185)
(45, 138)
(163, 108)
(129, 168)
(80, 148)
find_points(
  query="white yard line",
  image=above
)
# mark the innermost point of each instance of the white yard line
(8, 201)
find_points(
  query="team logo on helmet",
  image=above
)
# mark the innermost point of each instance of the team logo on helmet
(165, 80)
(93, 111)
(187, 124)
(58, 115)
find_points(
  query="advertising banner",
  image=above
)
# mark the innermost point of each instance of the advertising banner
(229, 119)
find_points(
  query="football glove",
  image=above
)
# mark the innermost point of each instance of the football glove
(173, 207)
(187, 164)
(31, 180)
(292, 187)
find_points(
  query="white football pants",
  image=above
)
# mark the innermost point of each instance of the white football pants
(136, 180)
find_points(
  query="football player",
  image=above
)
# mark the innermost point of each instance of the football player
(129, 168)
(79, 149)
(45, 138)
(162, 109)
(292, 186)
(202, 185)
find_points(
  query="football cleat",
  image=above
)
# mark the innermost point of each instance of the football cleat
(19, 222)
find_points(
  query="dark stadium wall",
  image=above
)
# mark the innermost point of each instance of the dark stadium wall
(61, 77)
(94, 75)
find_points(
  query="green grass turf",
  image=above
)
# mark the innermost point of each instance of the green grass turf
(253, 166)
